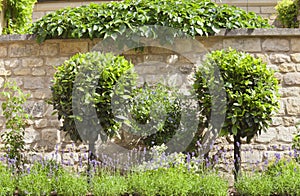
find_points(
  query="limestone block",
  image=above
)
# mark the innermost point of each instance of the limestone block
(183, 45)
(35, 108)
(295, 42)
(1, 82)
(3, 51)
(22, 71)
(293, 106)
(298, 67)
(17, 50)
(276, 121)
(292, 78)
(50, 135)
(281, 107)
(42, 94)
(285, 134)
(55, 61)
(31, 135)
(276, 45)
(244, 44)
(290, 92)
(154, 58)
(69, 48)
(4, 72)
(295, 57)
(12, 63)
(289, 121)
(40, 123)
(38, 71)
(263, 57)
(267, 137)
(49, 49)
(33, 83)
(23, 50)
(287, 67)
(172, 59)
(32, 62)
(268, 10)
(251, 156)
(280, 58)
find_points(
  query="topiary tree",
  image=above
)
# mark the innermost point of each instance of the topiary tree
(82, 91)
(252, 95)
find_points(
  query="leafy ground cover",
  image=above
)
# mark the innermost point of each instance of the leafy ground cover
(110, 20)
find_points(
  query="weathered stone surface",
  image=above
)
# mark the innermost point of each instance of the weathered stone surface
(3, 51)
(267, 137)
(69, 48)
(287, 67)
(4, 72)
(292, 78)
(245, 44)
(17, 50)
(285, 134)
(154, 58)
(290, 92)
(40, 123)
(278, 45)
(50, 135)
(263, 57)
(22, 71)
(252, 156)
(298, 67)
(295, 57)
(1, 82)
(36, 109)
(31, 135)
(295, 42)
(55, 61)
(276, 121)
(280, 58)
(172, 59)
(32, 62)
(293, 106)
(289, 121)
(33, 83)
(49, 49)
(38, 71)
(12, 63)
(268, 10)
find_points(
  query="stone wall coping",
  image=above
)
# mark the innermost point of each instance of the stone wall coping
(223, 33)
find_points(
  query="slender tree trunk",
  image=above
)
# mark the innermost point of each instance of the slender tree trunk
(237, 155)
(91, 157)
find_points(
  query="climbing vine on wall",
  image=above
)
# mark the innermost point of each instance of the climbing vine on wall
(18, 15)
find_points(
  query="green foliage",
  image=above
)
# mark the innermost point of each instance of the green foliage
(288, 11)
(156, 113)
(255, 184)
(110, 20)
(16, 121)
(94, 78)
(7, 182)
(18, 14)
(251, 88)
(174, 181)
(281, 178)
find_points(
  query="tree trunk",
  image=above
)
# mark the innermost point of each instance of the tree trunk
(237, 155)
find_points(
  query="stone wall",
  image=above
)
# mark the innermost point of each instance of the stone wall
(32, 66)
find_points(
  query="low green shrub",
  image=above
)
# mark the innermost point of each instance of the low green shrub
(175, 181)
(7, 181)
(84, 87)
(110, 20)
(256, 184)
(282, 177)
(156, 113)
(287, 11)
